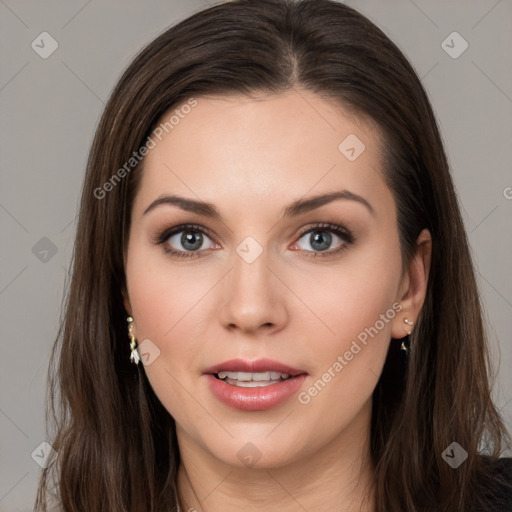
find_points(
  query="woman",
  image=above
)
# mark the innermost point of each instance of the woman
(273, 305)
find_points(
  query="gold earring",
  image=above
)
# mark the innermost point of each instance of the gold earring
(408, 331)
(134, 355)
(408, 322)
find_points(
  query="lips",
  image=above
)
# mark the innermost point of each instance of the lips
(253, 385)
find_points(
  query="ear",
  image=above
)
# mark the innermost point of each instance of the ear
(413, 286)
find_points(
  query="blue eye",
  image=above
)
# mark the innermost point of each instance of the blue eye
(189, 240)
(190, 237)
(321, 238)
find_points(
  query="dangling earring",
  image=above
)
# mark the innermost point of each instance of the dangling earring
(134, 355)
(408, 331)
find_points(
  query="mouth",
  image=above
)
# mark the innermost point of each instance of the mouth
(262, 372)
(254, 385)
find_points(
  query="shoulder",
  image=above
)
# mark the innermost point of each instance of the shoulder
(498, 492)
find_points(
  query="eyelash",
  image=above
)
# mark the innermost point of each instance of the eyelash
(340, 231)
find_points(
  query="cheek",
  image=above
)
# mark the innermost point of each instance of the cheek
(166, 306)
(347, 370)
(357, 305)
(165, 298)
(349, 298)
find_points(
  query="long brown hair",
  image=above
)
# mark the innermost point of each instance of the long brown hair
(116, 443)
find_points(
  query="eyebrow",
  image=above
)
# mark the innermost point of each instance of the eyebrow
(296, 208)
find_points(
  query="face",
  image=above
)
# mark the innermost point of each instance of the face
(264, 282)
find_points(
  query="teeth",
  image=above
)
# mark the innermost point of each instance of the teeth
(252, 383)
(254, 377)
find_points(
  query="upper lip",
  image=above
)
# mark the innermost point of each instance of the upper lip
(260, 365)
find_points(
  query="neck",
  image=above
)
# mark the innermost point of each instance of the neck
(336, 477)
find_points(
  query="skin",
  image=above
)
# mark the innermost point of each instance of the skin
(251, 157)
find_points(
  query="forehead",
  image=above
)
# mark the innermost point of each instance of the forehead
(273, 146)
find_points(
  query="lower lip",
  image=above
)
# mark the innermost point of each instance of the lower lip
(255, 399)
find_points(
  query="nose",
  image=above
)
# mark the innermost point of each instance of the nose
(253, 298)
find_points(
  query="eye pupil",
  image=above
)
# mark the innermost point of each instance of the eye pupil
(192, 237)
(319, 237)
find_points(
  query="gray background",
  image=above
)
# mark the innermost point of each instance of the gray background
(50, 108)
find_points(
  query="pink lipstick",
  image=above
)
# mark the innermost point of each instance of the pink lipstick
(253, 385)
